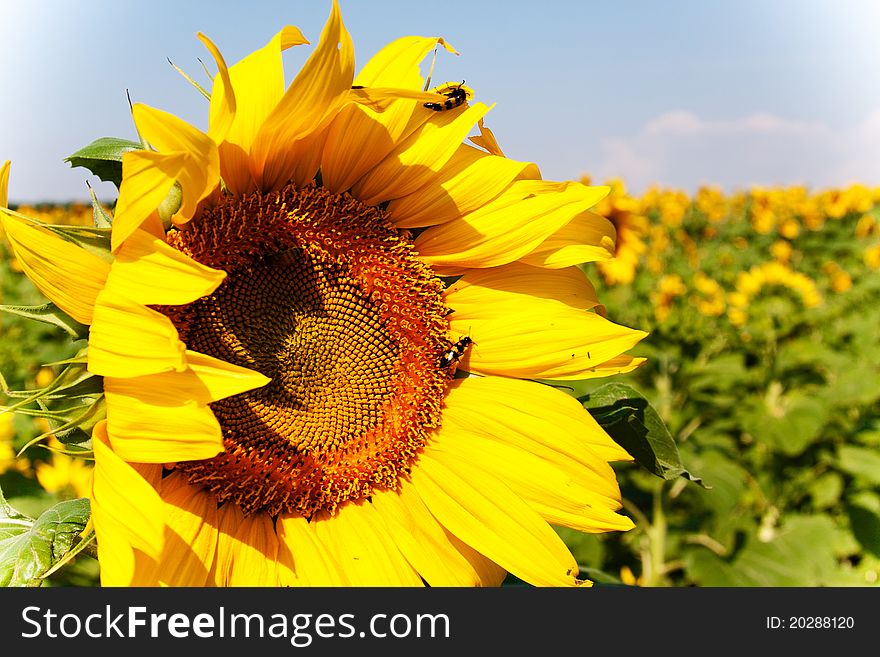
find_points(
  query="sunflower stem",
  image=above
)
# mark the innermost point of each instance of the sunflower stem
(654, 562)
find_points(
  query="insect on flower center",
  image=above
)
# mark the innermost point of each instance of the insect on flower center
(326, 298)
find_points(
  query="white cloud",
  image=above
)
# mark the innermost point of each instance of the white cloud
(681, 149)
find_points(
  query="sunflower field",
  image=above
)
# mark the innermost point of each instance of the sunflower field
(762, 361)
(336, 337)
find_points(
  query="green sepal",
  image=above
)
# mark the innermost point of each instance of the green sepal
(83, 393)
(170, 204)
(99, 217)
(49, 313)
(74, 381)
(94, 240)
(632, 423)
(31, 549)
(103, 157)
(72, 425)
(189, 79)
(82, 357)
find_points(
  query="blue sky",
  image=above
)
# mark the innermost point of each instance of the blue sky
(678, 93)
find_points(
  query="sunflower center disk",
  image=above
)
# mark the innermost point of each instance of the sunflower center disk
(328, 300)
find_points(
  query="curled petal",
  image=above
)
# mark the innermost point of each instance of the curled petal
(397, 64)
(199, 173)
(147, 177)
(586, 238)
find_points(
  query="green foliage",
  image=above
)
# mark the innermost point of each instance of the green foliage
(49, 313)
(36, 338)
(779, 414)
(634, 425)
(30, 548)
(103, 157)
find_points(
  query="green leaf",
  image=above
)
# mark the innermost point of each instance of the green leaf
(826, 490)
(29, 548)
(860, 462)
(103, 157)
(728, 479)
(801, 553)
(634, 425)
(49, 313)
(865, 523)
(709, 569)
(787, 423)
(856, 384)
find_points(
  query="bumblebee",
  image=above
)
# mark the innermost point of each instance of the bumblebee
(456, 351)
(456, 94)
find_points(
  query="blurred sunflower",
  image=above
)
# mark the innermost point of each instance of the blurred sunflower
(63, 473)
(630, 227)
(315, 362)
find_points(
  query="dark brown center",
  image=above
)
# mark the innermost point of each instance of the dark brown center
(327, 299)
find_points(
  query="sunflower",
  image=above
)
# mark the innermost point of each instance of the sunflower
(321, 326)
(630, 227)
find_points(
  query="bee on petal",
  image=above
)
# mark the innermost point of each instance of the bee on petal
(456, 94)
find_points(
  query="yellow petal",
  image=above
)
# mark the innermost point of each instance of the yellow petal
(397, 64)
(191, 536)
(70, 276)
(468, 181)
(509, 227)
(487, 140)
(164, 418)
(127, 513)
(305, 156)
(419, 158)
(484, 513)
(4, 184)
(247, 549)
(617, 365)
(489, 573)
(562, 491)
(149, 271)
(526, 412)
(223, 103)
(317, 93)
(147, 178)
(217, 379)
(379, 99)
(586, 238)
(151, 433)
(303, 560)
(128, 339)
(359, 138)
(520, 282)
(363, 547)
(200, 172)
(241, 104)
(421, 539)
(534, 338)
